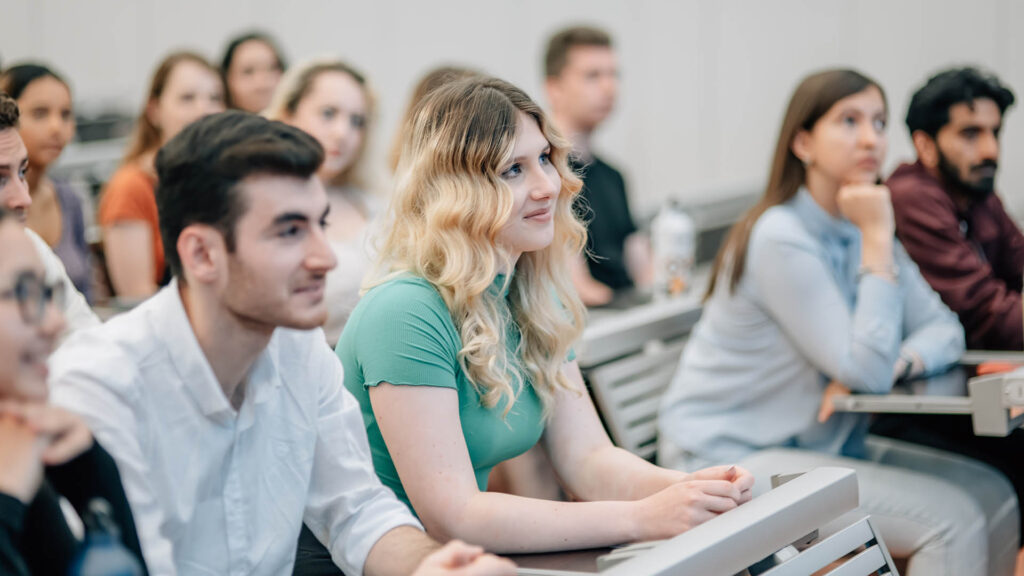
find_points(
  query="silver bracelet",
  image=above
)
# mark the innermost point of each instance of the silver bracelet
(892, 272)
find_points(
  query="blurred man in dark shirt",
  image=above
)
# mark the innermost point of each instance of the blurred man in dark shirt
(947, 215)
(582, 83)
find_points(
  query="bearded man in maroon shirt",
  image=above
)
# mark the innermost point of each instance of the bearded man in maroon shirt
(971, 252)
(947, 215)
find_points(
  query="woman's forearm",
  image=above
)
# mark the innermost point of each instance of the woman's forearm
(507, 524)
(611, 473)
(876, 254)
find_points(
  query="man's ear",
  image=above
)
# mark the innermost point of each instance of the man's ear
(203, 253)
(927, 149)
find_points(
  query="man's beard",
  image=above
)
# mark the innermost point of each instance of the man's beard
(979, 189)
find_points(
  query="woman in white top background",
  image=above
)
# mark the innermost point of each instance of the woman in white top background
(332, 101)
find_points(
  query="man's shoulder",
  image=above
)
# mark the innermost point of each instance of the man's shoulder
(599, 166)
(994, 204)
(51, 262)
(598, 160)
(911, 184)
(112, 353)
(298, 347)
(77, 313)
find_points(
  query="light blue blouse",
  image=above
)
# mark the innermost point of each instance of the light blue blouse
(753, 372)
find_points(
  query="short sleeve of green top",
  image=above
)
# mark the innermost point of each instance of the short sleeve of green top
(402, 333)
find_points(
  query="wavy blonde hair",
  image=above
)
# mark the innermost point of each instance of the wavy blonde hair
(296, 84)
(449, 205)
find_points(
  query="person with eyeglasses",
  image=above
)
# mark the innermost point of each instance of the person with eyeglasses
(46, 452)
(15, 198)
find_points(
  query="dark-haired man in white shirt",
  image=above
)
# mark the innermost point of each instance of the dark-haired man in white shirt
(217, 397)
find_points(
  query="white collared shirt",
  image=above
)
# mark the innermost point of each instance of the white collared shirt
(77, 314)
(215, 491)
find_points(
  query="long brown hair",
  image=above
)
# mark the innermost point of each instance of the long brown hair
(812, 99)
(146, 136)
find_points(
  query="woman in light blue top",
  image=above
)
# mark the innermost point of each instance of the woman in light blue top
(811, 296)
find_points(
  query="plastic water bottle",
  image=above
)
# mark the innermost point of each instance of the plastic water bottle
(102, 554)
(674, 243)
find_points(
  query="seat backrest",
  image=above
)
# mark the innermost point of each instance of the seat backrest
(626, 333)
(628, 392)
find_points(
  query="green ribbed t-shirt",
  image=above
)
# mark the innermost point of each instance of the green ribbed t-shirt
(402, 333)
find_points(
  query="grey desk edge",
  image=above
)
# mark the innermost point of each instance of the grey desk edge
(733, 541)
(988, 402)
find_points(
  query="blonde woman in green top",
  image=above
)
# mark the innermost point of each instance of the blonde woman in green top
(460, 351)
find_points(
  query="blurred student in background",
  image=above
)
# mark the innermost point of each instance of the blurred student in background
(947, 213)
(251, 67)
(332, 101)
(16, 198)
(582, 82)
(184, 88)
(967, 246)
(47, 125)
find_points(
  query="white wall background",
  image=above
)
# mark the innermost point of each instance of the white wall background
(704, 82)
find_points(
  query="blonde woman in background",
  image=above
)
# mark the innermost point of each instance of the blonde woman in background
(460, 353)
(184, 88)
(332, 101)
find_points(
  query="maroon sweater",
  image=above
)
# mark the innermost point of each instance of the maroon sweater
(973, 258)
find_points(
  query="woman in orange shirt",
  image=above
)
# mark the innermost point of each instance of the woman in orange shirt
(184, 88)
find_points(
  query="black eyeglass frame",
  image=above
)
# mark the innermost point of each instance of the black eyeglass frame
(33, 295)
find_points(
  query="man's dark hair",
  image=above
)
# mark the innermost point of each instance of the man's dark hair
(557, 54)
(199, 170)
(8, 112)
(929, 107)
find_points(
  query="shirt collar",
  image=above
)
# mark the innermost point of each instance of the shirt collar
(172, 327)
(820, 223)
